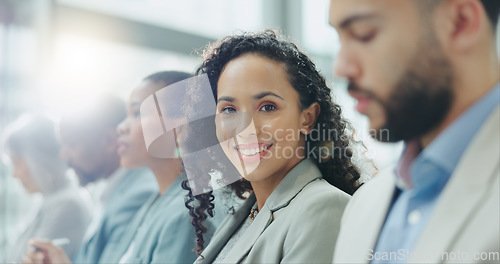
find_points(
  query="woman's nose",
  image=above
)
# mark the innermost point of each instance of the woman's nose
(247, 128)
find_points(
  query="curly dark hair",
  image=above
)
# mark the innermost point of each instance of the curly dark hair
(338, 169)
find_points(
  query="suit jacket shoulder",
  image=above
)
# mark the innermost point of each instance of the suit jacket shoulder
(298, 223)
(467, 214)
(363, 218)
(65, 213)
(464, 224)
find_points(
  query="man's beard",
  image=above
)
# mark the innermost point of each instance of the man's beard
(420, 100)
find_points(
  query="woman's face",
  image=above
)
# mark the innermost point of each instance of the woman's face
(131, 145)
(21, 171)
(259, 120)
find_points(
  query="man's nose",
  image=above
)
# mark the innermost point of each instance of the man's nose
(346, 66)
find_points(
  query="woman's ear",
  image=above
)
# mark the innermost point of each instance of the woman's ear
(308, 118)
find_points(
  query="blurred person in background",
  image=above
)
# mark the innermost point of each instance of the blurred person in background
(89, 144)
(428, 73)
(161, 231)
(32, 146)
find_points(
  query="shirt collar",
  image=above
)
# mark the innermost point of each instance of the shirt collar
(446, 150)
(410, 153)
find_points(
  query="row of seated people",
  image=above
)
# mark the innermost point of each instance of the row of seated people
(250, 160)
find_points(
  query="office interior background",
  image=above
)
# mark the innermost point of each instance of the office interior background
(58, 54)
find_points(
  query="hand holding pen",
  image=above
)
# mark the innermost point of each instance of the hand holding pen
(46, 251)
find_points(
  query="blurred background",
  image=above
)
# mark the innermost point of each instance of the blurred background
(58, 54)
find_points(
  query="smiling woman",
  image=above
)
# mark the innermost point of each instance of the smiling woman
(273, 114)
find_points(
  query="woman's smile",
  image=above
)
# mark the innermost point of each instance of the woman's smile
(252, 151)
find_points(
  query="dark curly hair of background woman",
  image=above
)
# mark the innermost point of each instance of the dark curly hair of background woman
(338, 169)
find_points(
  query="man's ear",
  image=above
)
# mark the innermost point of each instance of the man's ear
(460, 24)
(308, 118)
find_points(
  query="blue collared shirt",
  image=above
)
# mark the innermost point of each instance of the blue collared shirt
(429, 173)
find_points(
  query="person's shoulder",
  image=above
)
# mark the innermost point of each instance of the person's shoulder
(172, 208)
(140, 177)
(383, 178)
(136, 186)
(70, 196)
(70, 201)
(319, 204)
(318, 198)
(372, 193)
(174, 218)
(323, 192)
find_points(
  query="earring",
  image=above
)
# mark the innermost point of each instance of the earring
(326, 151)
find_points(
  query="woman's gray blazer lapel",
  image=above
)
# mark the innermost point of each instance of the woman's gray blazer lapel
(226, 229)
(245, 243)
(301, 175)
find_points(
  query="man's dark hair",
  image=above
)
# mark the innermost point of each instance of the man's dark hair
(492, 8)
(168, 77)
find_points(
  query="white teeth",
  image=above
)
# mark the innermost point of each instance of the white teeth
(252, 151)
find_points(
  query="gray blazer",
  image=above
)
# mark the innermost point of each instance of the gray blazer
(299, 223)
(63, 214)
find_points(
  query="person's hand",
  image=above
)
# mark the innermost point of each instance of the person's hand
(32, 257)
(46, 253)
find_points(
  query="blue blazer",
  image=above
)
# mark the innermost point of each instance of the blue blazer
(133, 190)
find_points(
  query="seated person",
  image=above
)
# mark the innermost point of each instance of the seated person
(279, 128)
(32, 146)
(161, 230)
(89, 144)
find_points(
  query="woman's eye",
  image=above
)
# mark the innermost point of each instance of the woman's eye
(268, 108)
(228, 110)
(135, 113)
